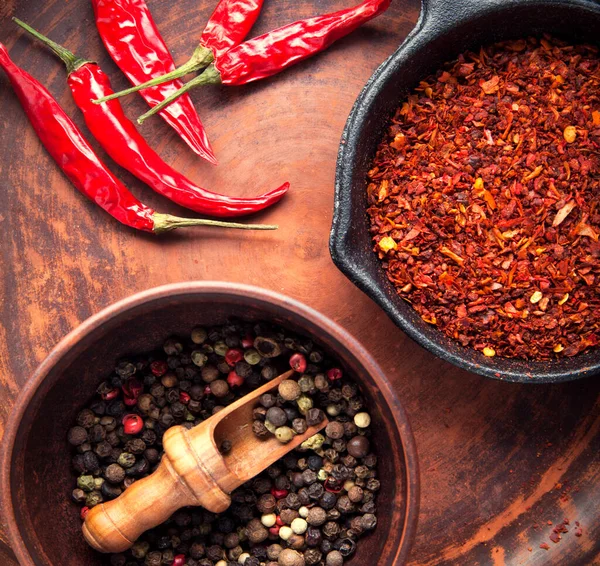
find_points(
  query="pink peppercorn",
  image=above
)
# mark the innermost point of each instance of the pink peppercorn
(233, 356)
(132, 424)
(279, 493)
(298, 362)
(248, 341)
(129, 401)
(334, 374)
(184, 398)
(234, 379)
(84, 511)
(132, 388)
(274, 531)
(158, 368)
(110, 395)
(179, 560)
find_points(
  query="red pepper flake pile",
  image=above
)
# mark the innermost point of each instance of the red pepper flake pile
(484, 199)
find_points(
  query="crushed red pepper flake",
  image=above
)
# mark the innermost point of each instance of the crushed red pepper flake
(491, 177)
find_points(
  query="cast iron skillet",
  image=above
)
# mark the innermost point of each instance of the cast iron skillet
(445, 29)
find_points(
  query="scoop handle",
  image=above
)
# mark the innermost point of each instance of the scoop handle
(181, 479)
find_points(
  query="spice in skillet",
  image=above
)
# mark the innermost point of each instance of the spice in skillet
(311, 508)
(484, 199)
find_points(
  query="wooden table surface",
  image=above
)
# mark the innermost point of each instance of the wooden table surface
(501, 464)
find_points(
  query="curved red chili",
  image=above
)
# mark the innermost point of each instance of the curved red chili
(121, 140)
(131, 37)
(67, 146)
(272, 52)
(229, 24)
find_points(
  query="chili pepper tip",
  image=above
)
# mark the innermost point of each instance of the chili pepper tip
(210, 76)
(201, 58)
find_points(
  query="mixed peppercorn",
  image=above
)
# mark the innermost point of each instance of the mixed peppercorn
(308, 509)
(484, 199)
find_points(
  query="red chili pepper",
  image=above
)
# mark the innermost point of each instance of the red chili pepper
(272, 52)
(227, 27)
(67, 146)
(131, 37)
(121, 140)
(229, 24)
(132, 424)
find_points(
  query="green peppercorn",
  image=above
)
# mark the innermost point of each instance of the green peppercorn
(199, 358)
(199, 335)
(126, 460)
(284, 434)
(252, 356)
(220, 348)
(314, 442)
(86, 483)
(305, 404)
(93, 498)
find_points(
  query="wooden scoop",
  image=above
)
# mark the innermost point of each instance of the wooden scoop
(192, 472)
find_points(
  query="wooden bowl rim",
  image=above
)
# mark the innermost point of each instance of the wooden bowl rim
(228, 289)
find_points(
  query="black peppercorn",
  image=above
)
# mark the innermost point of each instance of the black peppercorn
(77, 436)
(314, 417)
(328, 500)
(315, 462)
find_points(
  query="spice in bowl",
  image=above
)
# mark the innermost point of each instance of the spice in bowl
(309, 508)
(484, 199)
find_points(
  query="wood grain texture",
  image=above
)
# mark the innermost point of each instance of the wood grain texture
(499, 461)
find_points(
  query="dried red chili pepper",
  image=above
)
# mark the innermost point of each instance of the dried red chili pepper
(228, 25)
(484, 199)
(271, 53)
(130, 35)
(67, 146)
(121, 140)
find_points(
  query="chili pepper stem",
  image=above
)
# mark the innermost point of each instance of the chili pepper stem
(210, 76)
(71, 61)
(166, 222)
(201, 58)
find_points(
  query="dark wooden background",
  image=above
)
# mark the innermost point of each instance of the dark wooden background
(499, 462)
